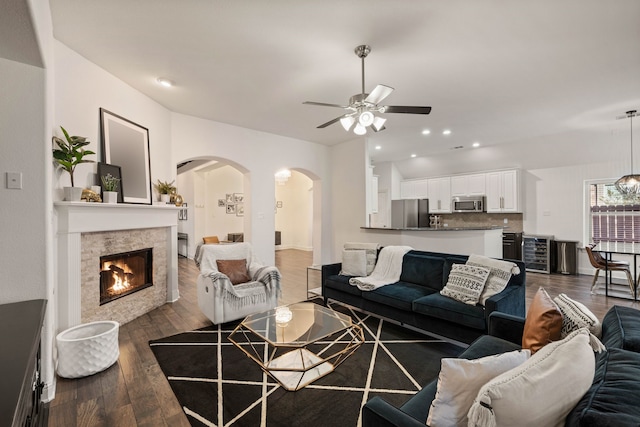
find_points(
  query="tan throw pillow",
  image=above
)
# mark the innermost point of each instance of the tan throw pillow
(234, 269)
(576, 315)
(209, 240)
(465, 283)
(540, 392)
(461, 379)
(543, 323)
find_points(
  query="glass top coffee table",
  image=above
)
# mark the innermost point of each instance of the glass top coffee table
(298, 343)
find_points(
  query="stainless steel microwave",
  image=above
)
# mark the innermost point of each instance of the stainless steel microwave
(468, 204)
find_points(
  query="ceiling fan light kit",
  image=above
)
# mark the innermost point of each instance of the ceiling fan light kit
(629, 185)
(362, 106)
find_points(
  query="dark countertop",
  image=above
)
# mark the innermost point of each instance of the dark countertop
(493, 227)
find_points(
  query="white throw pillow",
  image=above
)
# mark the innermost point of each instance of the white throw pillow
(576, 315)
(540, 392)
(354, 263)
(465, 283)
(459, 383)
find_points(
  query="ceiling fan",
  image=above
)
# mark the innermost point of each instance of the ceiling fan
(362, 106)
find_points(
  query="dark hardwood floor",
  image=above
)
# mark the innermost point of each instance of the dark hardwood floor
(134, 392)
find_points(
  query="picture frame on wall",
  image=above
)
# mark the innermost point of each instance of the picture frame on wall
(229, 198)
(240, 209)
(238, 198)
(105, 169)
(231, 209)
(126, 144)
(221, 203)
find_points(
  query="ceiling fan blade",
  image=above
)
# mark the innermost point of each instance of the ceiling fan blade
(379, 93)
(379, 130)
(406, 110)
(324, 104)
(330, 122)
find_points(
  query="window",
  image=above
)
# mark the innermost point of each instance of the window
(613, 217)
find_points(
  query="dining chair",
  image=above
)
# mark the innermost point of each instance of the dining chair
(599, 263)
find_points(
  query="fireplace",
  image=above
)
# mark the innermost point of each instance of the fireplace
(125, 273)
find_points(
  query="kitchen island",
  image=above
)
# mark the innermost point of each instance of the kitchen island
(456, 240)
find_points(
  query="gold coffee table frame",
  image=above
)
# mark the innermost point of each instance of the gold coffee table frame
(298, 343)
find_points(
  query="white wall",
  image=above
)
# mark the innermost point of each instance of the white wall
(22, 259)
(219, 183)
(259, 156)
(81, 89)
(294, 219)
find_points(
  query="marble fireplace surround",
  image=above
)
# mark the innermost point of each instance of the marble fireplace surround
(76, 218)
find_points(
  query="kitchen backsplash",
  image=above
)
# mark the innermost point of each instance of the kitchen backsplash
(472, 219)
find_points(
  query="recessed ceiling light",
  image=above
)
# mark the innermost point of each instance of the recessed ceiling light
(476, 144)
(426, 132)
(446, 132)
(413, 155)
(164, 82)
(378, 147)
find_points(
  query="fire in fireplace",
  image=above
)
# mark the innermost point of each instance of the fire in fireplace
(125, 273)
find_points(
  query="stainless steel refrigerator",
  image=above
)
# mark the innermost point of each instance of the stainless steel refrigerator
(410, 213)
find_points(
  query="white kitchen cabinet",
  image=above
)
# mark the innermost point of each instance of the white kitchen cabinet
(503, 191)
(468, 185)
(439, 194)
(414, 189)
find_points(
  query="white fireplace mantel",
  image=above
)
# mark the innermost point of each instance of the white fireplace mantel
(75, 218)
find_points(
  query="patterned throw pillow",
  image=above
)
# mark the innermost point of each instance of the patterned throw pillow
(575, 316)
(465, 283)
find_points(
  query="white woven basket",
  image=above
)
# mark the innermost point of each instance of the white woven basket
(87, 349)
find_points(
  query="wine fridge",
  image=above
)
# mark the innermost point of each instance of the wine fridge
(538, 253)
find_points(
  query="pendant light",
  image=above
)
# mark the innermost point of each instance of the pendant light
(629, 185)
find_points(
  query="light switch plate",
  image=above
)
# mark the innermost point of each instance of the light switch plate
(14, 180)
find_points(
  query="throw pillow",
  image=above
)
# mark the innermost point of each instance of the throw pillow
(234, 269)
(501, 272)
(543, 322)
(354, 263)
(541, 391)
(210, 239)
(465, 283)
(459, 383)
(575, 316)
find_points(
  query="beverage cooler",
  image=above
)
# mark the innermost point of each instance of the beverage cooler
(538, 253)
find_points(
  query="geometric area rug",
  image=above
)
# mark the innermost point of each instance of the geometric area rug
(218, 385)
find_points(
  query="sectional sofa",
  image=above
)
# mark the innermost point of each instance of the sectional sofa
(612, 399)
(416, 301)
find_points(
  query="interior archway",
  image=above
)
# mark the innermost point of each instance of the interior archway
(213, 189)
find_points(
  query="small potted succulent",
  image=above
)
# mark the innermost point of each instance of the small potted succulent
(70, 153)
(165, 189)
(110, 184)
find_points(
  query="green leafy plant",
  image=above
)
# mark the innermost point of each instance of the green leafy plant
(164, 187)
(70, 152)
(110, 182)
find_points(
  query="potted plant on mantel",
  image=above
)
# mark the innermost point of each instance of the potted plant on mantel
(165, 188)
(69, 154)
(110, 184)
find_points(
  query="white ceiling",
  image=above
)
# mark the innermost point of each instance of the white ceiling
(494, 71)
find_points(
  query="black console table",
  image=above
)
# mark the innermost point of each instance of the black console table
(21, 385)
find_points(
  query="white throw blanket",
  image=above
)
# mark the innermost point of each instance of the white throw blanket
(501, 272)
(386, 271)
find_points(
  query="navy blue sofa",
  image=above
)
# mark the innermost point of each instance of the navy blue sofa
(611, 401)
(416, 301)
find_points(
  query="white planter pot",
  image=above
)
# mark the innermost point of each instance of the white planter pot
(109, 197)
(72, 194)
(87, 349)
(165, 198)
